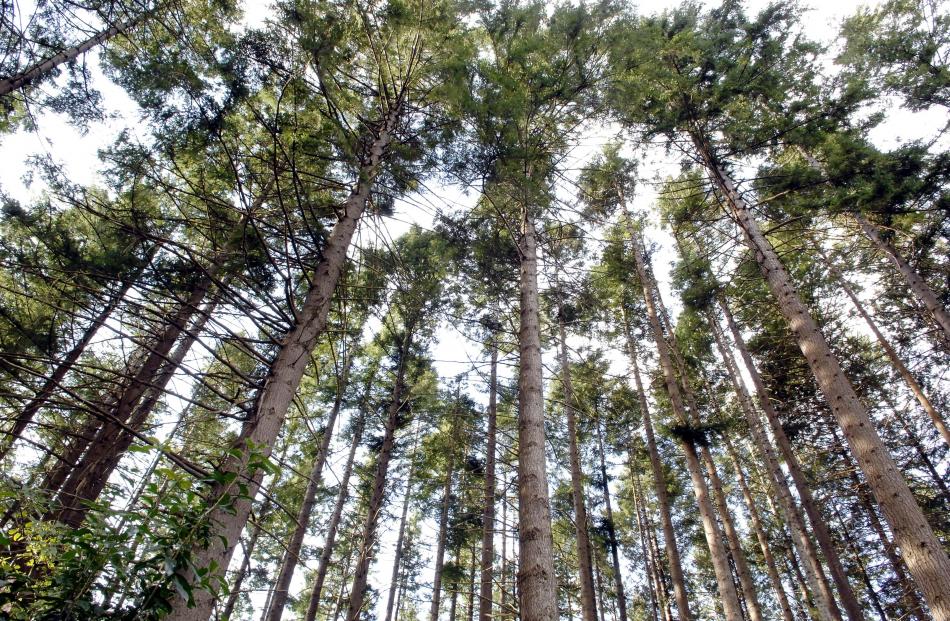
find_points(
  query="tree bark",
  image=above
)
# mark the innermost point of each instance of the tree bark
(760, 535)
(55, 378)
(378, 494)
(727, 590)
(825, 601)
(537, 594)
(397, 560)
(611, 531)
(314, 482)
(488, 516)
(924, 554)
(90, 476)
(659, 483)
(42, 68)
(281, 385)
(915, 281)
(584, 561)
(649, 566)
(235, 590)
(326, 553)
(443, 531)
(895, 360)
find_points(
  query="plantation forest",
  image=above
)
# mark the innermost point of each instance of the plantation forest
(494, 310)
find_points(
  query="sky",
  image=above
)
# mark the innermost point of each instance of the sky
(453, 352)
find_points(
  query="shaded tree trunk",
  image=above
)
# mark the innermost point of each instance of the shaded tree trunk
(611, 531)
(314, 482)
(584, 561)
(649, 567)
(915, 281)
(537, 594)
(488, 516)
(923, 552)
(727, 590)
(397, 560)
(262, 428)
(378, 494)
(659, 483)
(818, 582)
(326, 553)
(443, 532)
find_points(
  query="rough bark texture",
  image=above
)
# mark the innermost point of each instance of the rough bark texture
(584, 561)
(488, 516)
(914, 281)
(925, 557)
(537, 594)
(280, 387)
(315, 481)
(659, 485)
(817, 581)
(727, 590)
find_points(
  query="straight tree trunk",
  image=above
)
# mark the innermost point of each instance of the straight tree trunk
(923, 552)
(584, 561)
(488, 516)
(43, 68)
(648, 560)
(397, 561)
(55, 378)
(818, 582)
(760, 535)
(537, 591)
(378, 494)
(895, 360)
(234, 592)
(314, 483)
(326, 553)
(443, 532)
(90, 476)
(611, 531)
(915, 282)
(720, 560)
(281, 385)
(659, 483)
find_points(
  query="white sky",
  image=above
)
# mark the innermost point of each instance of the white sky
(78, 153)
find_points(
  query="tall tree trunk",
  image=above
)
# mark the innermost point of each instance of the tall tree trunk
(720, 560)
(659, 482)
(818, 582)
(760, 535)
(44, 67)
(908, 590)
(537, 592)
(443, 532)
(915, 281)
(378, 494)
(923, 552)
(895, 360)
(870, 589)
(584, 561)
(90, 476)
(648, 561)
(234, 591)
(291, 556)
(397, 560)
(262, 428)
(326, 553)
(55, 378)
(611, 531)
(488, 516)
